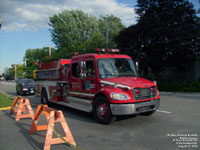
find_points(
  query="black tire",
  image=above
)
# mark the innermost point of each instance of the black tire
(101, 110)
(149, 113)
(44, 97)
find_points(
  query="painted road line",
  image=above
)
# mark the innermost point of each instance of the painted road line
(5, 108)
(167, 112)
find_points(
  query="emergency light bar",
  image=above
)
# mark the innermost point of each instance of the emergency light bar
(115, 50)
(98, 50)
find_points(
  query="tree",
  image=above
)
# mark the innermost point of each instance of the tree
(15, 72)
(114, 25)
(10, 74)
(75, 30)
(20, 71)
(40, 55)
(166, 35)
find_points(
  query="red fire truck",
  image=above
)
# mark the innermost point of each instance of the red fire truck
(105, 83)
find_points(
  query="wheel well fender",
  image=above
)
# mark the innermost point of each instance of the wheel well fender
(99, 94)
(45, 89)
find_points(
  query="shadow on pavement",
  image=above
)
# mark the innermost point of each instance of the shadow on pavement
(36, 140)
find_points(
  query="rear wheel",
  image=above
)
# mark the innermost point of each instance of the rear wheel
(101, 110)
(44, 97)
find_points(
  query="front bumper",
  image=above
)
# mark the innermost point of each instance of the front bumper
(134, 108)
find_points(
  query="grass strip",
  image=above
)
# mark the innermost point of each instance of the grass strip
(5, 101)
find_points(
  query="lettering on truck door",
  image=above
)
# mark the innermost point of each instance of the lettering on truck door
(88, 81)
(75, 88)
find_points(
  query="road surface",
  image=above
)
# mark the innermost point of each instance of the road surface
(175, 126)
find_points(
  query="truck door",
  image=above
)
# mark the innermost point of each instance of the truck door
(88, 79)
(74, 78)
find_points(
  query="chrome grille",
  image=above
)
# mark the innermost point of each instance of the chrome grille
(144, 93)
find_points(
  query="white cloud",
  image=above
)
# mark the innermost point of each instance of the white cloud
(14, 26)
(34, 14)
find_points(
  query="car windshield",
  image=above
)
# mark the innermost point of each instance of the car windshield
(116, 67)
(28, 82)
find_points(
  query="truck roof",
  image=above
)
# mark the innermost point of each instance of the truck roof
(97, 56)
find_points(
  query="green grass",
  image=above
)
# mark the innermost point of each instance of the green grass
(5, 101)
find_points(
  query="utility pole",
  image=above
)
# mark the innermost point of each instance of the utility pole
(0, 23)
(15, 71)
(107, 30)
(49, 50)
(25, 63)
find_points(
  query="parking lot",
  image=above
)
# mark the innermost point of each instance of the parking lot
(176, 119)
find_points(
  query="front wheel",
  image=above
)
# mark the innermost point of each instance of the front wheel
(101, 110)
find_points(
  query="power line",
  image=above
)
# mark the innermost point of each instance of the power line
(121, 9)
(172, 40)
(177, 39)
(167, 22)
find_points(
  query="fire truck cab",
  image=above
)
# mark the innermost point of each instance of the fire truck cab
(104, 83)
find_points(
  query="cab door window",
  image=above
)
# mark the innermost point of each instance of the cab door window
(75, 70)
(90, 71)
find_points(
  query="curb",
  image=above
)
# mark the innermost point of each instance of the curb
(5, 108)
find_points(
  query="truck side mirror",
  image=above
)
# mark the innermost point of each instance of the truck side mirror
(83, 68)
(83, 75)
(137, 65)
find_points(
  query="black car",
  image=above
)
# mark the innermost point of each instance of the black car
(25, 86)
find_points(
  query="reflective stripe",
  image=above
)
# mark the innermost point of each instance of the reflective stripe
(115, 84)
(82, 94)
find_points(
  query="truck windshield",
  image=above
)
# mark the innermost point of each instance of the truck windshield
(116, 67)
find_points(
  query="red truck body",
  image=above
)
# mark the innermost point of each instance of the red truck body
(105, 84)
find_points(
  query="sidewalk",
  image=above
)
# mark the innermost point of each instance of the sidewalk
(15, 135)
(11, 83)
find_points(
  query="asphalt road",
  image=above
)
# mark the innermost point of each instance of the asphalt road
(175, 126)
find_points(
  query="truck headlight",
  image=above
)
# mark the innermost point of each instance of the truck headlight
(25, 89)
(119, 96)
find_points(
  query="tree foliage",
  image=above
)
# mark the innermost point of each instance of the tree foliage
(15, 72)
(166, 35)
(75, 30)
(40, 55)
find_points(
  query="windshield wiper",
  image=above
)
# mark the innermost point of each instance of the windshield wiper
(108, 75)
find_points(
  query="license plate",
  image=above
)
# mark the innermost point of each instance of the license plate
(32, 91)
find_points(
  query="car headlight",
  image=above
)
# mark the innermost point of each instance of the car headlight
(25, 89)
(119, 96)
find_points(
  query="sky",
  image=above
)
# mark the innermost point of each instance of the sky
(25, 22)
